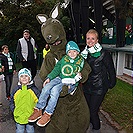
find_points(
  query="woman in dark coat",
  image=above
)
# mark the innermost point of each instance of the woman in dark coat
(9, 69)
(101, 78)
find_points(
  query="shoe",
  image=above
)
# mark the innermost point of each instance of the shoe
(0, 104)
(35, 115)
(91, 126)
(44, 120)
(95, 131)
(8, 98)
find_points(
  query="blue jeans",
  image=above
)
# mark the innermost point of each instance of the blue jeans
(53, 90)
(20, 128)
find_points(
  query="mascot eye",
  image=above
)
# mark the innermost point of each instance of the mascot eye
(54, 21)
(43, 24)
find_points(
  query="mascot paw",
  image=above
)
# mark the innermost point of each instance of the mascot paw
(64, 91)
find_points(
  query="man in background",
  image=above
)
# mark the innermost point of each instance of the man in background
(26, 52)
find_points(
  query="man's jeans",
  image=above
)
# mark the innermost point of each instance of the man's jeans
(53, 90)
(20, 128)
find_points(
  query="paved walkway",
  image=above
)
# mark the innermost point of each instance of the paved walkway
(7, 124)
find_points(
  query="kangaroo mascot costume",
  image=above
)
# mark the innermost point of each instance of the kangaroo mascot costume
(71, 114)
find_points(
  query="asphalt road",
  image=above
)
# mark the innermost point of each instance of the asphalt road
(7, 124)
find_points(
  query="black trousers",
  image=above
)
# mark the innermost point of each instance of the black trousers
(8, 81)
(31, 65)
(94, 102)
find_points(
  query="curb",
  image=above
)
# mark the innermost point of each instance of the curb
(112, 122)
(126, 79)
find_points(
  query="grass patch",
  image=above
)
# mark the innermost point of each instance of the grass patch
(118, 103)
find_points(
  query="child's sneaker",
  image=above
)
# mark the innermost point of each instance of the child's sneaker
(44, 120)
(0, 104)
(35, 115)
(8, 98)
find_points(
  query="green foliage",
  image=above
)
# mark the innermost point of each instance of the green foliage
(118, 103)
(65, 21)
(17, 18)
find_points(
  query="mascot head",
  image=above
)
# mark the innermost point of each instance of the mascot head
(52, 29)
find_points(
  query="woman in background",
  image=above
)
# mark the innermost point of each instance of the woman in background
(9, 71)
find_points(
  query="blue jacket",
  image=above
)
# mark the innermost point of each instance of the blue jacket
(23, 100)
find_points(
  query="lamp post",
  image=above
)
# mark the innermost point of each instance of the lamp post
(1, 1)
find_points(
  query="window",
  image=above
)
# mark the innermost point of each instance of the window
(129, 61)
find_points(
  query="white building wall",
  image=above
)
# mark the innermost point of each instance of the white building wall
(119, 55)
(114, 57)
(120, 63)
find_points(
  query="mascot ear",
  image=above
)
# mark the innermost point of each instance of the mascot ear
(55, 11)
(41, 18)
